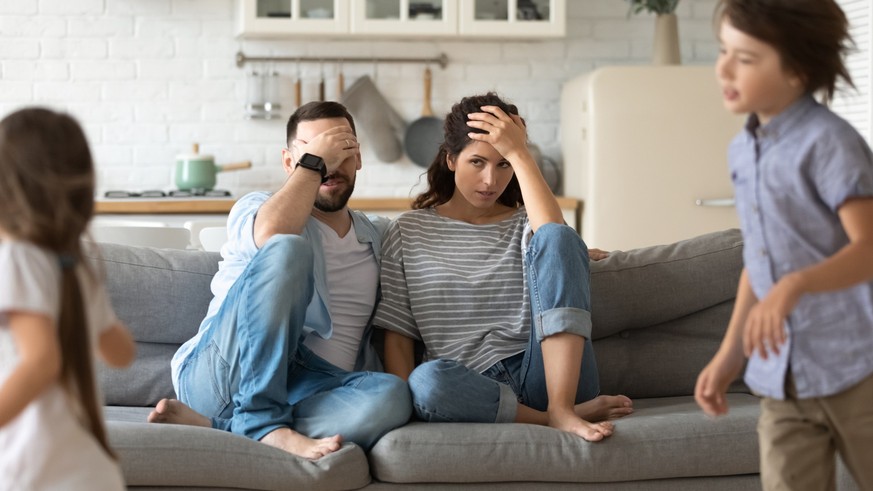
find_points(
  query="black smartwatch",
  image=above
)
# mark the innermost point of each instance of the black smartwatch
(313, 162)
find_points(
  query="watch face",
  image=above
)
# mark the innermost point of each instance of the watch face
(315, 163)
(311, 161)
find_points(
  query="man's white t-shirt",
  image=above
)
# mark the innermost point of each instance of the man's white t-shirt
(352, 280)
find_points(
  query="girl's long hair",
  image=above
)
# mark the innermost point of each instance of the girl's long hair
(47, 198)
(440, 179)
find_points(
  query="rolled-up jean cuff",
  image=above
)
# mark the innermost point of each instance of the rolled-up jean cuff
(563, 319)
(507, 406)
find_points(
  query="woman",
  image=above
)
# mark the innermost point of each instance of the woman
(497, 291)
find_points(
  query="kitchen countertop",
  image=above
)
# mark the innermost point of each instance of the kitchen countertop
(223, 205)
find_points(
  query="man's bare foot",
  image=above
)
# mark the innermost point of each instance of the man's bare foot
(568, 421)
(604, 408)
(302, 446)
(172, 411)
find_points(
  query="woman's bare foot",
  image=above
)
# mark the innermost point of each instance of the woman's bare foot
(568, 421)
(603, 408)
(302, 446)
(172, 411)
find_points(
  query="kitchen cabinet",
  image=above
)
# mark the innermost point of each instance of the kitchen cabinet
(404, 17)
(511, 19)
(293, 17)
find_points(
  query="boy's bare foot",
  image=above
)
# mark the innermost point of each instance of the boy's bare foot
(302, 446)
(568, 421)
(604, 408)
(172, 411)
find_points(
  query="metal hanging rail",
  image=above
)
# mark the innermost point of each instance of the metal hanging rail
(241, 59)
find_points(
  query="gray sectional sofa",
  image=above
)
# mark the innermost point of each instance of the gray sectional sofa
(659, 315)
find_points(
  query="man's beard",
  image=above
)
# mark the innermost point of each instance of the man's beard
(331, 203)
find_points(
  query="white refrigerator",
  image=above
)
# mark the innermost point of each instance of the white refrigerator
(645, 149)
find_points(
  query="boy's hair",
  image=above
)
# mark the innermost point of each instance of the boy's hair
(441, 180)
(47, 198)
(811, 36)
(316, 110)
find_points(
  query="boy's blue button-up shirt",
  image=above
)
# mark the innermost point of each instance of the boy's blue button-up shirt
(790, 178)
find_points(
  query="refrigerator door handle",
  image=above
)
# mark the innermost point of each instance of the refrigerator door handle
(720, 202)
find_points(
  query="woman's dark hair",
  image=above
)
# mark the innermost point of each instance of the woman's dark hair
(811, 36)
(316, 110)
(440, 179)
(47, 198)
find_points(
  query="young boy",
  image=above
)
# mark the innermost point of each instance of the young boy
(803, 179)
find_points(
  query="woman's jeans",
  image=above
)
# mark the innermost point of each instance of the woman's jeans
(558, 275)
(251, 373)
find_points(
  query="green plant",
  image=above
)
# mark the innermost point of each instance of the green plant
(652, 6)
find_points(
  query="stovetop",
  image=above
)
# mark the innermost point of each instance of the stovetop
(157, 194)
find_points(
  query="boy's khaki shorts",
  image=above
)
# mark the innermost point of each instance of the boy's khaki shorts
(798, 438)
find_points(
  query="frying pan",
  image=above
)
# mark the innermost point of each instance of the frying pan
(424, 135)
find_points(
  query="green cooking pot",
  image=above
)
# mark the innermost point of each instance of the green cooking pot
(196, 172)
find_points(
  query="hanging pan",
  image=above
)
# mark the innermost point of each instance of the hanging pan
(424, 135)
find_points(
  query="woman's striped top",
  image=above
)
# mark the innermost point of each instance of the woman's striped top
(458, 287)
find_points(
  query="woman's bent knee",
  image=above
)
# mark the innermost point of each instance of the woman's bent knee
(431, 387)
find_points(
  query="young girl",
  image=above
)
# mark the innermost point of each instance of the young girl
(496, 291)
(803, 179)
(52, 310)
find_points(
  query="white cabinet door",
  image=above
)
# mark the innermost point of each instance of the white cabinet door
(504, 19)
(513, 18)
(642, 145)
(291, 17)
(405, 17)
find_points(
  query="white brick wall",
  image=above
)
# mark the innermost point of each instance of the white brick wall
(148, 77)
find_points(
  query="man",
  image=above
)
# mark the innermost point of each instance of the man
(278, 357)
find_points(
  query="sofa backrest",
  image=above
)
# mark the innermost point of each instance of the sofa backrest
(659, 313)
(162, 295)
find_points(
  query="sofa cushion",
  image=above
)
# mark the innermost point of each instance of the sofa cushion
(664, 438)
(663, 360)
(178, 455)
(653, 285)
(162, 295)
(145, 382)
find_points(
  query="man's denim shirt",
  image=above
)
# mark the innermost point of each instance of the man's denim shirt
(790, 177)
(239, 251)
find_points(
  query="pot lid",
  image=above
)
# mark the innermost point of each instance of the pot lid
(195, 155)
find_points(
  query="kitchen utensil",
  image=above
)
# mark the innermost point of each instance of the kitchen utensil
(424, 135)
(340, 83)
(254, 95)
(262, 95)
(549, 168)
(196, 172)
(321, 85)
(298, 89)
(377, 120)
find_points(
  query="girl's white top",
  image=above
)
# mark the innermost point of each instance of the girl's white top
(47, 446)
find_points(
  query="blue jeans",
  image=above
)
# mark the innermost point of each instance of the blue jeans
(251, 374)
(558, 275)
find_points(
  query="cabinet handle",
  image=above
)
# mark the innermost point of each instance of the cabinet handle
(721, 202)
